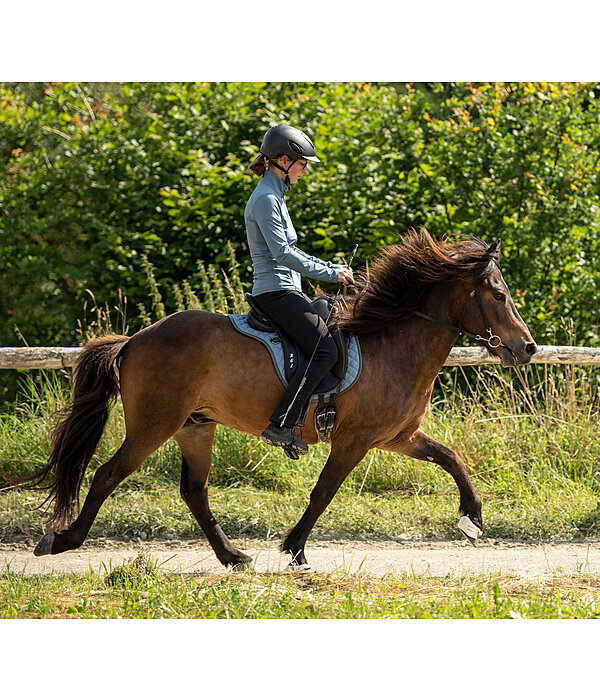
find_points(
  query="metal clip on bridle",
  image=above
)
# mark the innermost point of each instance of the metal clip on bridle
(488, 325)
(488, 341)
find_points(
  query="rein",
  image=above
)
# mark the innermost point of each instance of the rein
(493, 341)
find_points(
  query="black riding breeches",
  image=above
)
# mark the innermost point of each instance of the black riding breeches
(293, 312)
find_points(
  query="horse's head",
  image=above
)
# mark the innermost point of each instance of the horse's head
(492, 315)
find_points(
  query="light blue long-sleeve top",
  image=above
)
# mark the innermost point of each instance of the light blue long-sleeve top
(277, 262)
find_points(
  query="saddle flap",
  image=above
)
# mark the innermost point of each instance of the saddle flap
(271, 341)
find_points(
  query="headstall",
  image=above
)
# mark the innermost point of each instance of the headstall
(492, 341)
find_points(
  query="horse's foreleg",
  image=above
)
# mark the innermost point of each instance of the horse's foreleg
(196, 449)
(342, 460)
(421, 446)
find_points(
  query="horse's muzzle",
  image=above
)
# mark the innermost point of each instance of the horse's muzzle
(513, 357)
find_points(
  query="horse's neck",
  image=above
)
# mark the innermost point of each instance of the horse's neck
(417, 347)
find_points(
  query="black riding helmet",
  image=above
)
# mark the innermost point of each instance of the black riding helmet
(288, 141)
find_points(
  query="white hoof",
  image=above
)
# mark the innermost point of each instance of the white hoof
(469, 529)
(297, 567)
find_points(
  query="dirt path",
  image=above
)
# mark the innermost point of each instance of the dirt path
(374, 558)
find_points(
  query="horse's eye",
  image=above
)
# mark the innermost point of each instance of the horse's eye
(500, 296)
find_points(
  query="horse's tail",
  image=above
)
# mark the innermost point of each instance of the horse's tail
(80, 425)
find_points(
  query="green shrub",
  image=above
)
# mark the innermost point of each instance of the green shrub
(95, 183)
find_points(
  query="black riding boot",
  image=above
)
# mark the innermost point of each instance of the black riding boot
(286, 438)
(293, 312)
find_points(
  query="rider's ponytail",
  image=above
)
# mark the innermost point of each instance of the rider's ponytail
(258, 165)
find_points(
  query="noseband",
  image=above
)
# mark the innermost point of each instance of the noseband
(493, 341)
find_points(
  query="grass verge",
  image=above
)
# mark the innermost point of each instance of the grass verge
(140, 590)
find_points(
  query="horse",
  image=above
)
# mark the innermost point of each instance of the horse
(419, 294)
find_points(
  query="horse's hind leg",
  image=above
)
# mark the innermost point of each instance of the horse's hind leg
(125, 461)
(196, 443)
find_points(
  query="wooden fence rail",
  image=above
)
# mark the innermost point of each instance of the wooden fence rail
(57, 358)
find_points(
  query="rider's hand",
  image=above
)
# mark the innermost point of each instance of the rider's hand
(345, 275)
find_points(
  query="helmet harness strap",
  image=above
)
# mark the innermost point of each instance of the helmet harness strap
(283, 170)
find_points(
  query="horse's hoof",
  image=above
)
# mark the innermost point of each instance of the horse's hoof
(242, 566)
(292, 566)
(471, 531)
(44, 546)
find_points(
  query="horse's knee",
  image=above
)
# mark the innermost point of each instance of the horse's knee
(322, 495)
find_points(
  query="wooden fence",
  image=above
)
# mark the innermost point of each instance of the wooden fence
(57, 358)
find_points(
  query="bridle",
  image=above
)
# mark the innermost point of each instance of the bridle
(493, 341)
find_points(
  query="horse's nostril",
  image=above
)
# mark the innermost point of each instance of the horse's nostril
(531, 348)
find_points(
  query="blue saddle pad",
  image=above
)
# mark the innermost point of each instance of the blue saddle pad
(271, 342)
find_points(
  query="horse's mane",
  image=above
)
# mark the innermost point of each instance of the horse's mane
(402, 275)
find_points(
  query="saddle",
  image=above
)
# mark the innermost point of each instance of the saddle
(295, 361)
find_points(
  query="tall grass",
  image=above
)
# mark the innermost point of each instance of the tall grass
(221, 290)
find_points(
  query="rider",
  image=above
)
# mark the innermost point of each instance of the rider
(278, 263)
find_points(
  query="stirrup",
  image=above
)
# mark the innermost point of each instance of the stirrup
(291, 452)
(295, 445)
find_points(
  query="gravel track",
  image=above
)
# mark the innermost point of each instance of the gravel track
(375, 558)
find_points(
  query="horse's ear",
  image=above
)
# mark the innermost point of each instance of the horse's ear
(494, 250)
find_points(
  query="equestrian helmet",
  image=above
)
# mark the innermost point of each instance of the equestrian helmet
(289, 141)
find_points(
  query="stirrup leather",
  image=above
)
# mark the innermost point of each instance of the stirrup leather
(325, 413)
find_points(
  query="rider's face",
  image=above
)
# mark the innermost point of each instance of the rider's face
(298, 169)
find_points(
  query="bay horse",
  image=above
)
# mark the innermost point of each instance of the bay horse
(420, 293)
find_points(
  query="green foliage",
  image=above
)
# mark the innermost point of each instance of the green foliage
(96, 179)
